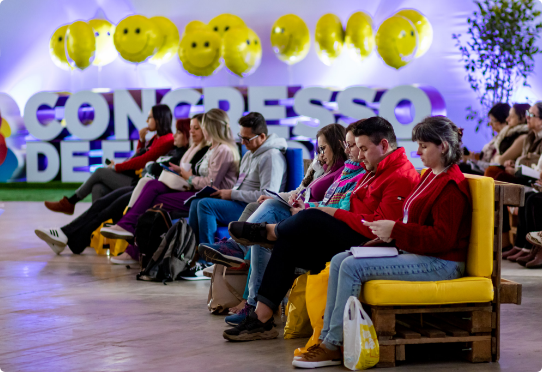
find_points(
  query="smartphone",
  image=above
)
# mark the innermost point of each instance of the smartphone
(107, 161)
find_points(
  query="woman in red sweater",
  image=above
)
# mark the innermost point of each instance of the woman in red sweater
(115, 176)
(432, 237)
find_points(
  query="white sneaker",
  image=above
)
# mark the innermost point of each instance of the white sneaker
(123, 259)
(116, 232)
(55, 238)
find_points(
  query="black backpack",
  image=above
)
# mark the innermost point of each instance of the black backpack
(173, 256)
(151, 227)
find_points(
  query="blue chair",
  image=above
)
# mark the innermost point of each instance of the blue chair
(294, 174)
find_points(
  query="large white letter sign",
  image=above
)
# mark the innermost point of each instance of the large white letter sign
(42, 132)
(33, 174)
(174, 97)
(348, 107)
(110, 148)
(419, 101)
(213, 96)
(126, 107)
(321, 115)
(101, 115)
(69, 160)
(257, 96)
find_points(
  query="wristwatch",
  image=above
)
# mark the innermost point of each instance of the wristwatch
(189, 180)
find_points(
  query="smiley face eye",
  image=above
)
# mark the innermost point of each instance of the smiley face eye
(411, 33)
(282, 30)
(226, 28)
(60, 38)
(255, 42)
(137, 30)
(194, 45)
(248, 42)
(125, 30)
(206, 44)
(108, 34)
(96, 34)
(402, 34)
(215, 29)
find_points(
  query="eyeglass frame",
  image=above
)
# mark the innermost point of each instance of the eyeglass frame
(347, 145)
(247, 140)
(529, 114)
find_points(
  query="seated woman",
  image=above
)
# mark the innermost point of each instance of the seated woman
(115, 176)
(77, 234)
(271, 211)
(432, 237)
(219, 167)
(193, 137)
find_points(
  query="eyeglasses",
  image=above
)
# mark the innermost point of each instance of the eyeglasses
(244, 139)
(347, 145)
(321, 149)
(530, 114)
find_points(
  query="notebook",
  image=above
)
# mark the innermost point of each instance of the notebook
(203, 193)
(276, 196)
(365, 252)
(526, 171)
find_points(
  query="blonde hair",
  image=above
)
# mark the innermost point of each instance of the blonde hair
(203, 142)
(217, 124)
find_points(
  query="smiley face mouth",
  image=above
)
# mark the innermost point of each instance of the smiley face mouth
(133, 54)
(202, 67)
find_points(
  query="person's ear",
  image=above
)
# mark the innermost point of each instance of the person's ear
(385, 145)
(445, 147)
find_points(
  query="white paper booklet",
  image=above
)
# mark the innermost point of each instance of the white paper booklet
(364, 252)
(528, 171)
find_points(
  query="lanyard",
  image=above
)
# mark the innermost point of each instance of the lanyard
(417, 193)
(365, 182)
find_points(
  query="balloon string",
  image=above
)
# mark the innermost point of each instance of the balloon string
(290, 75)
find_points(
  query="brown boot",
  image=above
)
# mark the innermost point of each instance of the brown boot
(536, 262)
(524, 259)
(521, 253)
(62, 206)
(511, 252)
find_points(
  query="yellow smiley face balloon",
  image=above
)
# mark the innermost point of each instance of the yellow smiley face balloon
(290, 38)
(359, 36)
(170, 45)
(200, 52)
(105, 48)
(137, 38)
(397, 41)
(424, 28)
(57, 49)
(224, 22)
(242, 51)
(194, 25)
(329, 38)
(80, 44)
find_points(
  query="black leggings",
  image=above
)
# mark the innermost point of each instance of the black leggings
(307, 240)
(530, 219)
(111, 206)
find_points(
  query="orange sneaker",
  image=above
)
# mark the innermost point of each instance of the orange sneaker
(62, 206)
(318, 356)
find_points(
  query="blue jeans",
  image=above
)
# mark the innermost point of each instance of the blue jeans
(270, 211)
(206, 213)
(347, 274)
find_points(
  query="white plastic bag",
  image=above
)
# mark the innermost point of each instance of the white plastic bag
(360, 342)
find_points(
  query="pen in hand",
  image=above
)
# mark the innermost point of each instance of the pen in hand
(298, 196)
(211, 182)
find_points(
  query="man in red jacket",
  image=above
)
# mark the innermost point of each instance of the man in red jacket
(312, 237)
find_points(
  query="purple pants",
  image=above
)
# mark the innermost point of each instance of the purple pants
(154, 192)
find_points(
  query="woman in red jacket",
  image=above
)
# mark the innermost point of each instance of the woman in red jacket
(115, 176)
(432, 237)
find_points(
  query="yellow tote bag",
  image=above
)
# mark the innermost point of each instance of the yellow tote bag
(315, 298)
(298, 324)
(100, 244)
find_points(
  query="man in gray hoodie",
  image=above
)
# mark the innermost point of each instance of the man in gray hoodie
(262, 167)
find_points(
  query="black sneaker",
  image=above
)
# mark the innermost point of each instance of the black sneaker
(247, 233)
(195, 273)
(251, 329)
(218, 254)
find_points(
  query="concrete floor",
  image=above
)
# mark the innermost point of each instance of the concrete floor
(79, 313)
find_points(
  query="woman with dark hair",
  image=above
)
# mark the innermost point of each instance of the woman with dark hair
(115, 176)
(433, 236)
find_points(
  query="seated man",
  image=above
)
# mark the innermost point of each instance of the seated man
(312, 237)
(262, 167)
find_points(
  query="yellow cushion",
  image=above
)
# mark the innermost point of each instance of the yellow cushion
(395, 292)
